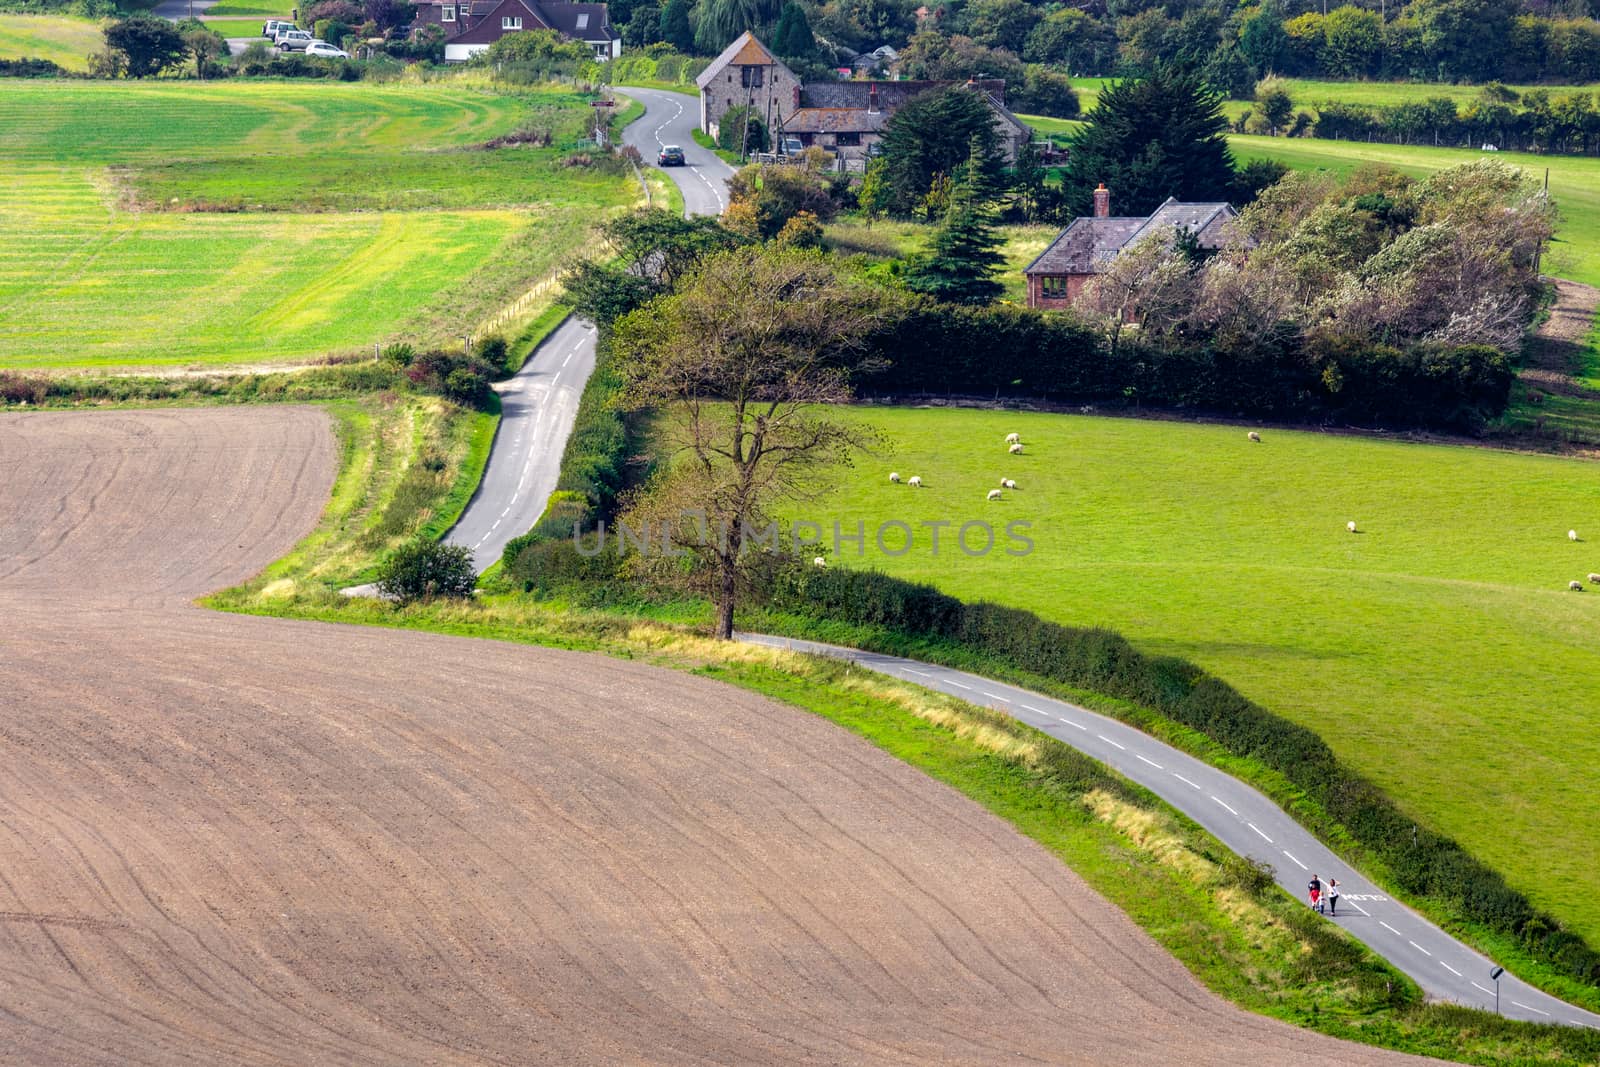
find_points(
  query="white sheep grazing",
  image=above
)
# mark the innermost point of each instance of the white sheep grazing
(818, 561)
(1252, 435)
(894, 477)
(1015, 448)
(1594, 579)
(1576, 587)
(1572, 535)
(1351, 526)
(1013, 438)
(1007, 483)
(915, 481)
(994, 494)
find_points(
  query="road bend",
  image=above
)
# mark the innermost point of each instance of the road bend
(1248, 823)
(539, 404)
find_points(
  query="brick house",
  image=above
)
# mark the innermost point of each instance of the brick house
(746, 74)
(849, 117)
(471, 26)
(1057, 277)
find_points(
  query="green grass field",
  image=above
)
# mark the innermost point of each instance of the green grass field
(1438, 651)
(64, 41)
(373, 220)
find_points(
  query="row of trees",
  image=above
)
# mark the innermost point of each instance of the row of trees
(1538, 122)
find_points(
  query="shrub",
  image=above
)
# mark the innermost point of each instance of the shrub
(1420, 861)
(491, 350)
(399, 354)
(461, 377)
(422, 570)
(30, 68)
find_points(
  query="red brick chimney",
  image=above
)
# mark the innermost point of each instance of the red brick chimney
(1102, 202)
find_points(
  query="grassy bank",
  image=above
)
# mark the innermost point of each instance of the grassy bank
(63, 40)
(150, 233)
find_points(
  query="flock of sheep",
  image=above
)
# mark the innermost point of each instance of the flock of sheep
(1013, 447)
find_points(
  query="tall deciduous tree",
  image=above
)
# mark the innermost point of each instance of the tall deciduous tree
(934, 134)
(148, 45)
(741, 358)
(1160, 136)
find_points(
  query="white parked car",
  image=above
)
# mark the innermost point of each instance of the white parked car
(293, 40)
(326, 50)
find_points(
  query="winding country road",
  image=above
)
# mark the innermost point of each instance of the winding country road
(1248, 823)
(539, 404)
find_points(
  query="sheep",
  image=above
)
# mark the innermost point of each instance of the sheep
(1576, 587)
(1252, 435)
(994, 494)
(915, 481)
(1351, 526)
(894, 477)
(1572, 535)
(1015, 449)
(1007, 483)
(1013, 438)
(1594, 579)
(818, 561)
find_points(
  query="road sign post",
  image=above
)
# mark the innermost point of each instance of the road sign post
(1494, 975)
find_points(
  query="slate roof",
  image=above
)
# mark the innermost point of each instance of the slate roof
(1084, 245)
(745, 51)
(1088, 243)
(836, 120)
(583, 22)
(562, 17)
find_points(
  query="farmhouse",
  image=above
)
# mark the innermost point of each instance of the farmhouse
(746, 74)
(471, 26)
(1057, 277)
(849, 117)
(844, 117)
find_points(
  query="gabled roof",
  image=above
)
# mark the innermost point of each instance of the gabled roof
(858, 94)
(485, 28)
(1084, 245)
(745, 51)
(583, 22)
(1192, 217)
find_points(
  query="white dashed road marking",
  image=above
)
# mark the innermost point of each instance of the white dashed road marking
(1184, 780)
(1224, 803)
(1150, 761)
(1389, 928)
(1257, 829)
(1297, 863)
(1110, 742)
(1449, 968)
(1418, 947)
(1530, 1007)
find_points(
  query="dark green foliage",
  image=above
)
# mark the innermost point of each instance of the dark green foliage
(963, 254)
(994, 351)
(1160, 136)
(422, 570)
(1422, 862)
(934, 134)
(792, 39)
(654, 249)
(457, 376)
(603, 294)
(491, 349)
(319, 383)
(745, 121)
(30, 68)
(148, 45)
(1044, 92)
(675, 28)
(1252, 178)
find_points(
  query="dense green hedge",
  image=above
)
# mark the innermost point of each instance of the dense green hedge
(1010, 351)
(1420, 861)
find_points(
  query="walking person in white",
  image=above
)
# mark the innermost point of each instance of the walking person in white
(1333, 895)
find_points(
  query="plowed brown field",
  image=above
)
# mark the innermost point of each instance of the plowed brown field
(230, 840)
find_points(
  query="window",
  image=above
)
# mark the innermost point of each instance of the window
(751, 77)
(848, 140)
(583, 22)
(447, 13)
(1053, 287)
(507, 22)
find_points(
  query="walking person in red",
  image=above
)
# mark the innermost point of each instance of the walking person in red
(1314, 891)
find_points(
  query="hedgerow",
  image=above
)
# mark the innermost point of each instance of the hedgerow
(1421, 862)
